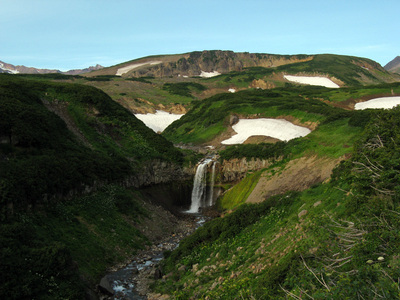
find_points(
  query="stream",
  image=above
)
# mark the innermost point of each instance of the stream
(131, 281)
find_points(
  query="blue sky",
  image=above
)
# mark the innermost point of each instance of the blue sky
(79, 33)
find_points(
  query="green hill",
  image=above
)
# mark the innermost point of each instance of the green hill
(210, 118)
(336, 240)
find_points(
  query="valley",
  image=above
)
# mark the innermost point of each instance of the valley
(298, 181)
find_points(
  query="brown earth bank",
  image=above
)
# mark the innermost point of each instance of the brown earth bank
(298, 175)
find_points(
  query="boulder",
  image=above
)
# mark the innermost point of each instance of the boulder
(105, 286)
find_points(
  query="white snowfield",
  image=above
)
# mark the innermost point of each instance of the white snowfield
(383, 102)
(209, 74)
(312, 80)
(275, 128)
(11, 71)
(158, 121)
(126, 69)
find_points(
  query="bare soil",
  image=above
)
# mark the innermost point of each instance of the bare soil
(298, 175)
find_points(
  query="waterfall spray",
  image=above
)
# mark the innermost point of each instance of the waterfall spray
(211, 191)
(199, 196)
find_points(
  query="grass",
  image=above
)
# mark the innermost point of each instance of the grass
(333, 139)
(94, 230)
(238, 194)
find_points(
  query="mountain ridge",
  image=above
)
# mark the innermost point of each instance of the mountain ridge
(393, 65)
(211, 63)
(20, 69)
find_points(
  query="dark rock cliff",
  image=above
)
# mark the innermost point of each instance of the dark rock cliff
(234, 170)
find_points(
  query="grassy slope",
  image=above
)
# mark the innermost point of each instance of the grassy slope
(329, 142)
(337, 240)
(210, 117)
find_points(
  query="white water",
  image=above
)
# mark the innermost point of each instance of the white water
(211, 192)
(199, 196)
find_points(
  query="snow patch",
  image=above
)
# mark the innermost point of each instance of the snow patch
(126, 69)
(232, 90)
(383, 102)
(209, 74)
(312, 80)
(9, 70)
(275, 128)
(158, 121)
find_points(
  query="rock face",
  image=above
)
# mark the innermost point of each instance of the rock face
(157, 172)
(85, 70)
(236, 169)
(192, 64)
(394, 65)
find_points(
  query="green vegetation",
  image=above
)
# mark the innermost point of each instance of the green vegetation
(101, 78)
(47, 254)
(337, 240)
(262, 151)
(141, 79)
(239, 192)
(42, 157)
(184, 88)
(353, 71)
(210, 117)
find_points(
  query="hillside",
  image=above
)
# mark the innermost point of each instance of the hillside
(210, 121)
(336, 240)
(71, 164)
(393, 65)
(161, 82)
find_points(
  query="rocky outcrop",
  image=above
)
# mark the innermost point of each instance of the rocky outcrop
(157, 172)
(236, 169)
(393, 65)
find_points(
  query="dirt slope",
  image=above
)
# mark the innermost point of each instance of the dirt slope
(298, 175)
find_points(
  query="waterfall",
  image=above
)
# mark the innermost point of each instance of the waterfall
(199, 196)
(211, 191)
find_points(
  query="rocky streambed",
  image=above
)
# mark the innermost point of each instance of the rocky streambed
(132, 281)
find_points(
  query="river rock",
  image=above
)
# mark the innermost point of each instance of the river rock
(105, 286)
(158, 274)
